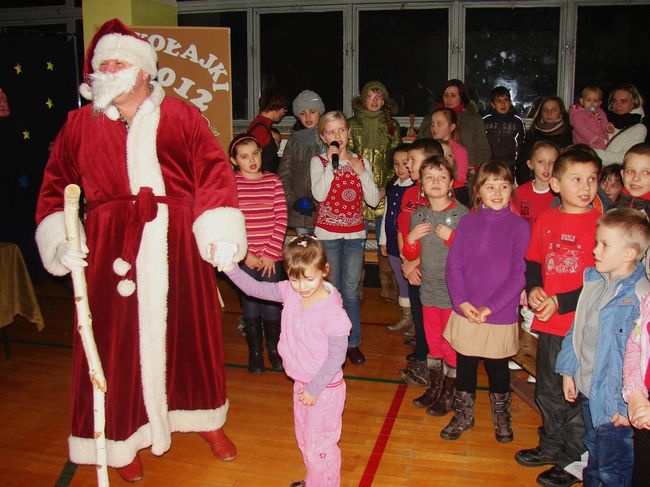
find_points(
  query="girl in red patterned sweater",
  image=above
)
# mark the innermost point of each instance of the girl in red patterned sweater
(341, 181)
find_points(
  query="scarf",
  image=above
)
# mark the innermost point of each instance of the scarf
(459, 108)
(551, 128)
(623, 121)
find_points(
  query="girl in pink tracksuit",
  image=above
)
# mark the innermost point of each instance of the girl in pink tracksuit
(313, 345)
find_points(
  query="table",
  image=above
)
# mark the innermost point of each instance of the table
(17, 296)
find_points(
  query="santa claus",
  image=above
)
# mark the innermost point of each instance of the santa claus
(159, 192)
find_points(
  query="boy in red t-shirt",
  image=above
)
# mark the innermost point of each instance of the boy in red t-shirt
(561, 247)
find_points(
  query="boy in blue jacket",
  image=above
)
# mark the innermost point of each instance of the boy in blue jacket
(591, 358)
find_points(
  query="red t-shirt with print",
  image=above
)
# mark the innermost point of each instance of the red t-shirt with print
(563, 244)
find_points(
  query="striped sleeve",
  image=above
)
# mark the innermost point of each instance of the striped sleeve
(274, 247)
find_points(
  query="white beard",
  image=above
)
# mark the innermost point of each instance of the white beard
(108, 86)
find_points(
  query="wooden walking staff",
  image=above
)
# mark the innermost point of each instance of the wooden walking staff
(85, 327)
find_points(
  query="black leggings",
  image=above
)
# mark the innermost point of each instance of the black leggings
(467, 370)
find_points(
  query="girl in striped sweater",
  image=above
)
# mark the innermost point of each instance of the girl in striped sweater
(262, 201)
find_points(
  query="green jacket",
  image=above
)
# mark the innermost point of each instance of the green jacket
(369, 138)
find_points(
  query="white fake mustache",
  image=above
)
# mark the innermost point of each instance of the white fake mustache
(108, 86)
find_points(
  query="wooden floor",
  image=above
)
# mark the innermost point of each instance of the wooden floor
(386, 441)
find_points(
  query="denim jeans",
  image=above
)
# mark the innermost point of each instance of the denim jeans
(611, 453)
(259, 308)
(304, 230)
(345, 257)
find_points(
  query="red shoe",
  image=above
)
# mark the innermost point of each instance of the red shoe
(133, 472)
(221, 446)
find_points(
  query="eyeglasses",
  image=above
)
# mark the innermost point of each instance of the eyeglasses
(374, 97)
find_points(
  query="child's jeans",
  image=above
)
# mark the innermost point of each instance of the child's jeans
(611, 453)
(402, 283)
(318, 431)
(435, 321)
(259, 308)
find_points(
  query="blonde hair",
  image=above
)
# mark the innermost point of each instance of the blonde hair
(302, 253)
(637, 99)
(633, 225)
(593, 89)
(452, 118)
(496, 169)
(332, 116)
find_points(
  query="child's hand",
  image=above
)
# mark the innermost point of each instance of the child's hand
(443, 231)
(414, 277)
(384, 252)
(418, 231)
(569, 388)
(547, 309)
(306, 398)
(470, 312)
(408, 266)
(638, 409)
(610, 128)
(483, 313)
(619, 420)
(252, 261)
(267, 266)
(535, 297)
(357, 166)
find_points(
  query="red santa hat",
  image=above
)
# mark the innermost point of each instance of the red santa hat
(114, 40)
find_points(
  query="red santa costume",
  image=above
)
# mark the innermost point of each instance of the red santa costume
(148, 187)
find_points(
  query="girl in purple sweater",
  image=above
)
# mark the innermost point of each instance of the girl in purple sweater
(313, 345)
(485, 276)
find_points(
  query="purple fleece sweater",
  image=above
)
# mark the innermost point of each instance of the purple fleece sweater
(485, 266)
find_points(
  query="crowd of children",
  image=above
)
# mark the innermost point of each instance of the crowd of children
(471, 241)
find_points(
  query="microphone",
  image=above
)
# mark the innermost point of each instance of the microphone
(335, 157)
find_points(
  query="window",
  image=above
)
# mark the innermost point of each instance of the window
(612, 48)
(294, 61)
(407, 51)
(513, 47)
(236, 21)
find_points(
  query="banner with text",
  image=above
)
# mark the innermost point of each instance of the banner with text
(194, 65)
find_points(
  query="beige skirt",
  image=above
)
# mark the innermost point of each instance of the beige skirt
(481, 340)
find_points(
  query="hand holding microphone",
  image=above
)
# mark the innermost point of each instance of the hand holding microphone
(334, 154)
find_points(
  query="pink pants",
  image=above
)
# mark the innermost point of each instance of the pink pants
(435, 321)
(318, 431)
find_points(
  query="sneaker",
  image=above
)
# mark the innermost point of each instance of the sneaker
(417, 375)
(512, 365)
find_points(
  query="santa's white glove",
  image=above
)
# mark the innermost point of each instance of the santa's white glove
(222, 254)
(70, 258)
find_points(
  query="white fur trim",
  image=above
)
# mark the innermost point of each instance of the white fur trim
(220, 224)
(404, 302)
(133, 50)
(50, 233)
(122, 453)
(126, 287)
(121, 267)
(86, 91)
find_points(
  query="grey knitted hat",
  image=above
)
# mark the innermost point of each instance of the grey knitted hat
(305, 100)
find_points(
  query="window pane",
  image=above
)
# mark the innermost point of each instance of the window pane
(513, 47)
(407, 51)
(238, 51)
(293, 61)
(612, 48)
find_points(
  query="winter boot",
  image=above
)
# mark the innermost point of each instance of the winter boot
(272, 334)
(405, 320)
(254, 338)
(431, 394)
(463, 418)
(445, 400)
(389, 292)
(417, 375)
(501, 416)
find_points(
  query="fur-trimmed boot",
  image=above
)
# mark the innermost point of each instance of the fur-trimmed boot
(254, 338)
(272, 334)
(430, 396)
(463, 418)
(445, 401)
(501, 416)
(405, 320)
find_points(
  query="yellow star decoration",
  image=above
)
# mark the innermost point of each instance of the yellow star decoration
(18, 67)
(49, 103)
(25, 134)
(50, 66)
